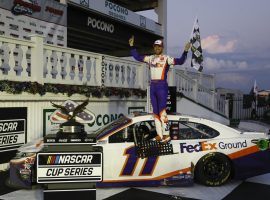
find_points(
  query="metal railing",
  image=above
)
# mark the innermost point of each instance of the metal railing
(240, 112)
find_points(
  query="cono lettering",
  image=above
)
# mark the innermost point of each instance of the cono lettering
(100, 25)
(105, 119)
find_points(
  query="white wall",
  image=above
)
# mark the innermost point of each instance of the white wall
(185, 106)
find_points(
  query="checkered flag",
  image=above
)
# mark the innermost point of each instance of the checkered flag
(196, 48)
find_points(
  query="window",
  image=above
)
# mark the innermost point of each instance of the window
(144, 130)
(179, 130)
(185, 130)
(119, 137)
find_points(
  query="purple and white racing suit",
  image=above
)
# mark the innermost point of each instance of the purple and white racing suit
(159, 66)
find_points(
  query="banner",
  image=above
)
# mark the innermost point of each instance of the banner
(69, 167)
(94, 32)
(120, 13)
(196, 48)
(13, 131)
(21, 18)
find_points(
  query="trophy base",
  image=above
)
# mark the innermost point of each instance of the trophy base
(71, 129)
(62, 135)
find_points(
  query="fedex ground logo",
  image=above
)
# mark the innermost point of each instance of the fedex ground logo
(69, 167)
(200, 146)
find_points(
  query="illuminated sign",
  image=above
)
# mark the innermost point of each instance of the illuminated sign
(12, 134)
(69, 167)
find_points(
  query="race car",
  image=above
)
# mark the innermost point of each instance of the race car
(200, 149)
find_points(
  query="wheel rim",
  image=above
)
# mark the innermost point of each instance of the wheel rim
(215, 169)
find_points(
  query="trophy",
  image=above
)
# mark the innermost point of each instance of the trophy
(71, 128)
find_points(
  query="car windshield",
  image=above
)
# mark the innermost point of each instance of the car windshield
(112, 126)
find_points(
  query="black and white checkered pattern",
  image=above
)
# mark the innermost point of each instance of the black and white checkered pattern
(196, 48)
(253, 188)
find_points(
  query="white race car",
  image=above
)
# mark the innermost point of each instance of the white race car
(200, 149)
(210, 151)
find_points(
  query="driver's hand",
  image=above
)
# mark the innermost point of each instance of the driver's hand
(131, 41)
(187, 46)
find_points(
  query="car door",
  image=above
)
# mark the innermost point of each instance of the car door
(121, 163)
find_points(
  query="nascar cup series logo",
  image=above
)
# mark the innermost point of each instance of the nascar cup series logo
(69, 167)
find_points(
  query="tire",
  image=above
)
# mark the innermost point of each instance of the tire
(213, 169)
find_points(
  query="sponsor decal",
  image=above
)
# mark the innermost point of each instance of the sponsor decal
(116, 8)
(103, 71)
(100, 25)
(84, 3)
(207, 146)
(26, 170)
(25, 173)
(54, 11)
(69, 159)
(232, 145)
(263, 144)
(116, 11)
(200, 146)
(8, 126)
(21, 7)
(183, 119)
(12, 133)
(69, 167)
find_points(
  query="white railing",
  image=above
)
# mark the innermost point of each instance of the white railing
(34, 61)
(123, 73)
(191, 85)
(15, 62)
(37, 62)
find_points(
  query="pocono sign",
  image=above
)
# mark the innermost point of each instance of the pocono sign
(119, 13)
(69, 167)
(100, 25)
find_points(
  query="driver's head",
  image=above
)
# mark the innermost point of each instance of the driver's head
(158, 47)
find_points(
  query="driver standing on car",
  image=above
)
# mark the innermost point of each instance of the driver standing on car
(159, 65)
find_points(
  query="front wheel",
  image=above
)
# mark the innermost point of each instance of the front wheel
(213, 169)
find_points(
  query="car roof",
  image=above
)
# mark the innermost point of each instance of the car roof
(224, 130)
(177, 116)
